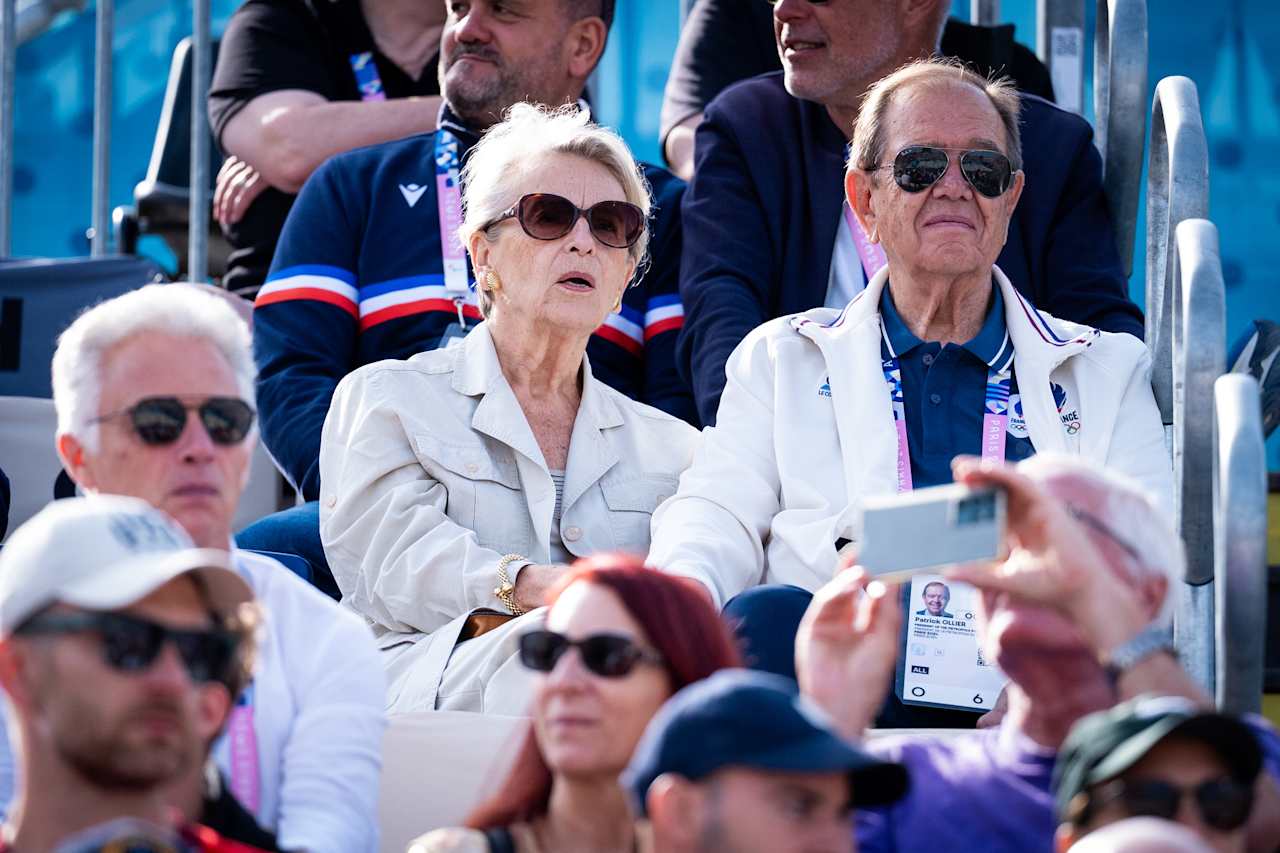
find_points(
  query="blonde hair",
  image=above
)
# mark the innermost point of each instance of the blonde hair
(514, 146)
(866, 151)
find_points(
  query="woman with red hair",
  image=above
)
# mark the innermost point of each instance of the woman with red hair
(619, 640)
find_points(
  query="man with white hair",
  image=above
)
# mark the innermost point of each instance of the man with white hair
(1077, 617)
(154, 394)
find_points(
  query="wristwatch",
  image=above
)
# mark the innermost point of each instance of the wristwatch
(1149, 641)
(506, 590)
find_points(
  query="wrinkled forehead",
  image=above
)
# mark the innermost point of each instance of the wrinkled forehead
(945, 113)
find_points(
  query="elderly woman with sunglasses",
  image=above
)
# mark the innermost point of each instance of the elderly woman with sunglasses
(938, 356)
(619, 640)
(458, 485)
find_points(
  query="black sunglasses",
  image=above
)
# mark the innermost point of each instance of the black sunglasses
(608, 655)
(545, 216)
(1224, 804)
(131, 644)
(918, 167)
(161, 420)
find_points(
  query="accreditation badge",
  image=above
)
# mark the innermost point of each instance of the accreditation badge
(941, 664)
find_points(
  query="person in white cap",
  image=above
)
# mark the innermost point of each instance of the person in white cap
(121, 644)
(154, 395)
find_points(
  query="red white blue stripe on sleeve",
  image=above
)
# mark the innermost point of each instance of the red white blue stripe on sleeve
(630, 329)
(372, 304)
(315, 282)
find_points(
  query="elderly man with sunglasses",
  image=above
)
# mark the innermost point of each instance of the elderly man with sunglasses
(940, 355)
(154, 394)
(767, 232)
(121, 645)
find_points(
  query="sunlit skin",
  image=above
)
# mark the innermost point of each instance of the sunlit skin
(495, 53)
(947, 230)
(588, 724)
(108, 742)
(756, 811)
(1184, 763)
(194, 480)
(568, 285)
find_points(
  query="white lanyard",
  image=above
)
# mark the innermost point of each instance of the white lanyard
(449, 199)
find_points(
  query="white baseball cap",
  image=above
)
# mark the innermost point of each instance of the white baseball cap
(104, 552)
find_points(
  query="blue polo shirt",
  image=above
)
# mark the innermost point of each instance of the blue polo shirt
(944, 391)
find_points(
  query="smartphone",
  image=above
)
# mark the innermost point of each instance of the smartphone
(923, 530)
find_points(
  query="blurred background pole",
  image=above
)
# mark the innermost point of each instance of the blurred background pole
(102, 127)
(198, 213)
(8, 47)
(984, 13)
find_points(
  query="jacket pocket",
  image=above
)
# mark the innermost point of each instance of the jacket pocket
(481, 492)
(631, 503)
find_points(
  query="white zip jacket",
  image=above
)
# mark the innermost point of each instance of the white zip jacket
(805, 429)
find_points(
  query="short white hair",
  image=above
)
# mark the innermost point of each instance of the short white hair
(1131, 516)
(518, 144)
(172, 309)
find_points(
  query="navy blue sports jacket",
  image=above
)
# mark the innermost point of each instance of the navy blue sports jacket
(762, 211)
(358, 277)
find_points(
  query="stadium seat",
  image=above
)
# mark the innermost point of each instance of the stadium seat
(27, 454)
(161, 199)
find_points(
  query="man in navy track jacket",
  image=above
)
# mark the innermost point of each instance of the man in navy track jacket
(763, 215)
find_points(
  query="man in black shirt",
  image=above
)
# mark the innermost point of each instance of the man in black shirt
(298, 81)
(724, 41)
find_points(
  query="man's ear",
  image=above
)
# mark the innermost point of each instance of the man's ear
(857, 191)
(215, 708)
(14, 664)
(1152, 590)
(1064, 838)
(675, 810)
(584, 44)
(75, 459)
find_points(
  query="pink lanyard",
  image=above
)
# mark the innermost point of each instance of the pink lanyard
(871, 254)
(243, 740)
(995, 417)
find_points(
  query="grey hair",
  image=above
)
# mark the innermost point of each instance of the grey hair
(514, 147)
(866, 151)
(172, 309)
(1130, 514)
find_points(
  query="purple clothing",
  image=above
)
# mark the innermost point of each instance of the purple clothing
(982, 792)
(978, 792)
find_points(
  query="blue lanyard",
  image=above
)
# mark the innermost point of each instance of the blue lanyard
(995, 415)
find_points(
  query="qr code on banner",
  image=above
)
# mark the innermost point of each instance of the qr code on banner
(981, 660)
(1066, 41)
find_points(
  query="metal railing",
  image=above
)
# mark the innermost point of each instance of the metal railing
(1240, 555)
(102, 80)
(1198, 343)
(1060, 46)
(8, 52)
(985, 13)
(198, 211)
(1120, 111)
(1177, 189)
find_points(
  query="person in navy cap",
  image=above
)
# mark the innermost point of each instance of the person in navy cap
(741, 762)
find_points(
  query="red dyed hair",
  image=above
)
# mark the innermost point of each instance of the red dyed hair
(679, 620)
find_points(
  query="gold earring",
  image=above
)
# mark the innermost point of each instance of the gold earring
(494, 284)
(617, 306)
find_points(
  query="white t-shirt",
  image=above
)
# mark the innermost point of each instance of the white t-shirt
(847, 278)
(317, 697)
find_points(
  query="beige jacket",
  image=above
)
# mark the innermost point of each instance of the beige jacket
(430, 474)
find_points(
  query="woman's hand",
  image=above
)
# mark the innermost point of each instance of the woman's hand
(534, 581)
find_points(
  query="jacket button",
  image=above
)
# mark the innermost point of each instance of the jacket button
(331, 501)
(472, 467)
(936, 399)
(573, 534)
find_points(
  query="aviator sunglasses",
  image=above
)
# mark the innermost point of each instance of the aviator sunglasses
(131, 644)
(607, 655)
(918, 167)
(545, 216)
(1224, 804)
(161, 420)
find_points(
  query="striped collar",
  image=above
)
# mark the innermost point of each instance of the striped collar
(991, 345)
